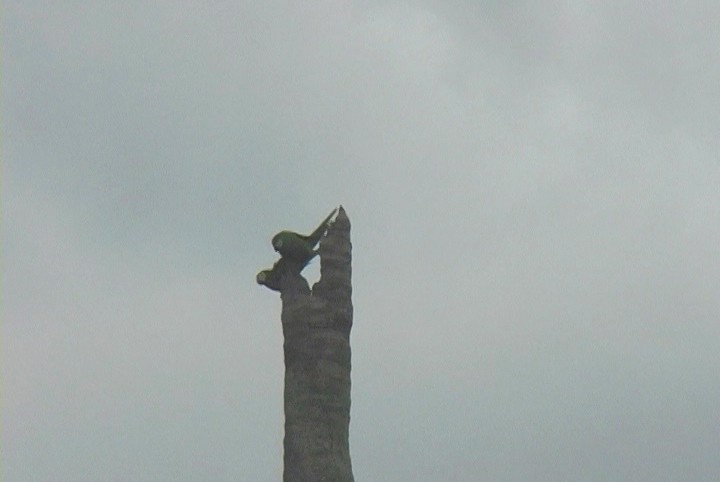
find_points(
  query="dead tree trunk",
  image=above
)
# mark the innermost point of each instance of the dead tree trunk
(316, 326)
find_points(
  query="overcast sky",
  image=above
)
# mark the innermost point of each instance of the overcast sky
(534, 191)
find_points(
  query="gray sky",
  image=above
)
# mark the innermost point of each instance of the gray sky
(533, 188)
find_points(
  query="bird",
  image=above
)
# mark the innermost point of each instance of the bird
(283, 275)
(269, 278)
(297, 247)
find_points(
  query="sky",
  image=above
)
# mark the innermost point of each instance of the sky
(533, 192)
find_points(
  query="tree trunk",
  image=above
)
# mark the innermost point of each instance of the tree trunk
(316, 326)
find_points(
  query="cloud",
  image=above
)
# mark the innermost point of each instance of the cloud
(532, 192)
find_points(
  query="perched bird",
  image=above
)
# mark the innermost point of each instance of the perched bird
(284, 275)
(273, 278)
(269, 278)
(297, 247)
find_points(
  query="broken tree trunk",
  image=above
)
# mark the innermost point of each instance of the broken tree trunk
(316, 326)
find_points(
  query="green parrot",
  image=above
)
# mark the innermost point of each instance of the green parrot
(297, 247)
(268, 278)
(281, 274)
(273, 278)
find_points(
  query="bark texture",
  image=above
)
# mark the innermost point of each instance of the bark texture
(316, 327)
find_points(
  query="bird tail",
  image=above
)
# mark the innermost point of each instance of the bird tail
(314, 238)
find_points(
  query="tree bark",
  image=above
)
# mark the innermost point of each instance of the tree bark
(316, 327)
